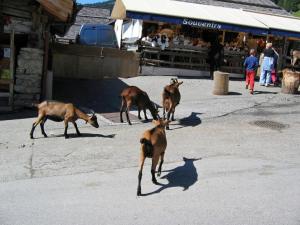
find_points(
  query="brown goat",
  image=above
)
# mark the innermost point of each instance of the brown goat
(132, 95)
(153, 145)
(171, 98)
(58, 112)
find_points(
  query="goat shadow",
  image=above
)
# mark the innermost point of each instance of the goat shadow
(182, 176)
(83, 135)
(190, 121)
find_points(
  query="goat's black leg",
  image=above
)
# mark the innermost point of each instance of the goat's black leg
(153, 177)
(139, 113)
(145, 114)
(168, 118)
(42, 127)
(40, 118)
(173, 111)
(127, 116)
(66, 130)
(139, 189)
(32, 130)
(160, 164)
(155, 159)
(141, 165)
(122, 110)
(77, 131)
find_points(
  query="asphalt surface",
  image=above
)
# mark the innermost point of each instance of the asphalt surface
(230, 160)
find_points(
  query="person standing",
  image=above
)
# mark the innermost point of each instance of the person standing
(215, 56)
(274, 75)
(267, 65)
(251, 65)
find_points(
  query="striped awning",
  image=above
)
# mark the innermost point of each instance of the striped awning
(206, 16)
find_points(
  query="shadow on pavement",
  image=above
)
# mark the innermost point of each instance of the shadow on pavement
(234, 93)
(20, 114)
(182, 176)
(83, 135)
(264, 92)
(100, 95)
(191, 121)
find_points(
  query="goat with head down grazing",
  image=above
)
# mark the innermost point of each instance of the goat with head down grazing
(132, 95)
(171, 98)
(58, 112)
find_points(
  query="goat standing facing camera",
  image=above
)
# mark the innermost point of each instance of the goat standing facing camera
(153, 145)
(171, 98)
(58, 112)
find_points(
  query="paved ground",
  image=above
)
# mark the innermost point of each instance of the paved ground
(230, 160)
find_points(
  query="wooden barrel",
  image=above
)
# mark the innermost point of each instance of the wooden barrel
(221, 83)
(290, 81)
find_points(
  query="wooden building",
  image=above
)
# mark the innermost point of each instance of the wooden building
(25, 30)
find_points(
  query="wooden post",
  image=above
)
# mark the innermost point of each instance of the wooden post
(221, 83)
(290, 81)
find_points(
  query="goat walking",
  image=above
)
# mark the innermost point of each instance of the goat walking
(171, 98)
(153, 145)
(58, 112)
(132, 95)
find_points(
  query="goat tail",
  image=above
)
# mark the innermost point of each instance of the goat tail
(147, 148)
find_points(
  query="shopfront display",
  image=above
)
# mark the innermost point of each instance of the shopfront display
(181, 35)
(186, 47)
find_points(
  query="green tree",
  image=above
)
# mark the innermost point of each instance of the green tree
(289, 5)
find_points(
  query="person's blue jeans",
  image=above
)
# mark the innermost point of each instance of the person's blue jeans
(265, 77)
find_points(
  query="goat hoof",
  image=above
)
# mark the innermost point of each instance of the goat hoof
(139, 192)
(158, 173)
(45, 135)
(66, 137)
(168, 128)
(31, 137)
(154, 181)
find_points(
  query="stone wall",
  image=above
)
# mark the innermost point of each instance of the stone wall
(28, 77)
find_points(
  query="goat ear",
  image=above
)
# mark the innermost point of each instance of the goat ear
(179, 83)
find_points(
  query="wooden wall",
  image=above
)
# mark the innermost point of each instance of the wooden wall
(89, 62)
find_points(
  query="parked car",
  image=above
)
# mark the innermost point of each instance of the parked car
(97, 34)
